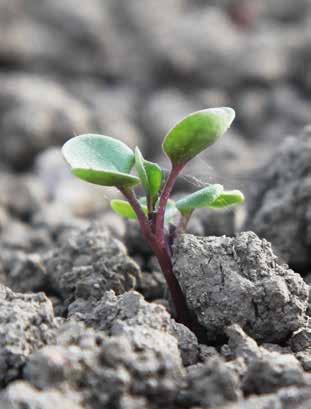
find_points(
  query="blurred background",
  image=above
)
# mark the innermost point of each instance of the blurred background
(131, 69)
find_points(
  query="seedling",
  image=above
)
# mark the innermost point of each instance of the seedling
(106, 161)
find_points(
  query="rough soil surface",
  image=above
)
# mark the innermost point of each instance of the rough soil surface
(27, 323)
(230, 280)
(129, 71)
(145, 323)
(88, 263)
(104, 372)
(280, 208)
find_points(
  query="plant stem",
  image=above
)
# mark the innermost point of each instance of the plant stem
(149, 206)
(182, 313)
(158, 243)
(169, 184)
(143, 221)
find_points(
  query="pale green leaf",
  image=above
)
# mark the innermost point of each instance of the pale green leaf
(124, 209)
(101, 160)
(228, 199)
(200, 199)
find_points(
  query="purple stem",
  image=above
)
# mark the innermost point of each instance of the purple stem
(159, 228)
(160, 249)
(182, 313)
(143, 221)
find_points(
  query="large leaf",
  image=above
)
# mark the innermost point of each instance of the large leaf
(228, 199)
(101, 160)
(150, 174)
(124, 209)
(200, 199)
(196, 132)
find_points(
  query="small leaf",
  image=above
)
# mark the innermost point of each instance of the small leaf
(155, 177)
(227, 199)
(200, 199)
(101, 160)
(150, 175)
(123, 208)
(196, 132)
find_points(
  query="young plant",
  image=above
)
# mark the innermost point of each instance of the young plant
(106, 161)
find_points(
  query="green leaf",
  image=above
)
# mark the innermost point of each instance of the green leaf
(104, 178)
(150, 174)
(101, 160)
(200, 199)
(155, 177)
(228, 198)
(196, 132)
(123, 208)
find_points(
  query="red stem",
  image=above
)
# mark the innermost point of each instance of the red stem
(169, 184)
(182, 313)
(158, 243)
(143, 221)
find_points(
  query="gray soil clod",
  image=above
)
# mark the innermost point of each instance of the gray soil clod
(88, 263)
(212, 384)
(301, 340)
(27, 324)
(279, 210)
(238, 280)
(146, 324)
(21, 394)
(100, 371)
(272, 372)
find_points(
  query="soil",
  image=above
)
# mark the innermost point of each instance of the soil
(85, 316)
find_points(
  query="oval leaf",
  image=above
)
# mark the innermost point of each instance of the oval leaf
(124, 209)
(100, 159)
(196, 132)
(228, 199)
(200, 199)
